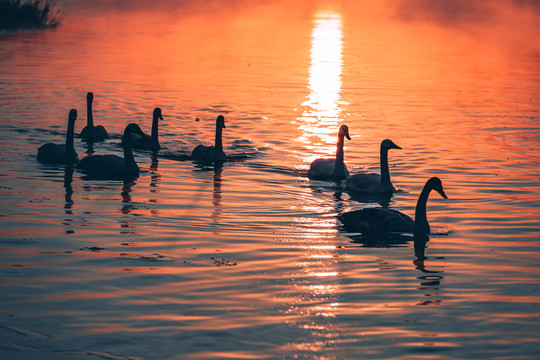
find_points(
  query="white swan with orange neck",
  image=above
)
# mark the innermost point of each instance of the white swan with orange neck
(332, 169)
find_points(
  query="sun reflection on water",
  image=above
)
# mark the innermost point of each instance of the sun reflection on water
(320, 120)
(315, 284)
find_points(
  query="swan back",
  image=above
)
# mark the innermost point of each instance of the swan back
(371, 221)
(364, 183)
(324, 169)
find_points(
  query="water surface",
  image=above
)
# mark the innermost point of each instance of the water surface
(250, 262)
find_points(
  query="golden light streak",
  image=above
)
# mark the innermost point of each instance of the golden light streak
(320, 120)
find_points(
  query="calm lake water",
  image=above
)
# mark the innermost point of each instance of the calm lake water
(251, 262)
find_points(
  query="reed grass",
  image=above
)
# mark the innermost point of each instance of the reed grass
(28, 14)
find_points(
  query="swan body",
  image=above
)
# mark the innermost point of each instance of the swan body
(214, 153)
(148, 142)
(114, 164)
(332, 169)
(374, 183)
(371, 221)
(91, 133)
(61, 153)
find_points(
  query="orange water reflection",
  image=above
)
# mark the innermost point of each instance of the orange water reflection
(452, 94)
(321, 118)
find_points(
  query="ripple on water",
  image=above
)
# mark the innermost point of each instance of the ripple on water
(250, 262)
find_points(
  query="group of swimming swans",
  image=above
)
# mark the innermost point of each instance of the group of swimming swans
(381, 220)
(369, 221)
(132, 138)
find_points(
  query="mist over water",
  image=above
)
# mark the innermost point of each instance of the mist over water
(250, 261)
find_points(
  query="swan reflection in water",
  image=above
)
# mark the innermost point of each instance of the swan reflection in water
(154, 180)
(216, 194)
(430, 280)
(154, 162)
(89, 148)
(68, 180)
(127, 206)
(68, 196)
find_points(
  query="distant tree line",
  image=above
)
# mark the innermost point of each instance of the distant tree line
(28, 14)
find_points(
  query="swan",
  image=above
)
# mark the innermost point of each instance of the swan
(91, 133)
(370, 221)
(332, 169)
(215, 153)
(148, 142)
(374, 183)
(114, 164)
(61, 153)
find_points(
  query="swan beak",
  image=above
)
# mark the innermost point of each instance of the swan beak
(344, 132)
(441, 191)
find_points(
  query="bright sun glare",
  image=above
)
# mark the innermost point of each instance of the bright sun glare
(319, 125)
(321, 117)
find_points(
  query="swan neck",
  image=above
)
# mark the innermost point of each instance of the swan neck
(129, 160)
(70, 148)
(339, 150)
(339, 165)
(154, 136)
(420, 216)
(89, 115)
(385, 173)
(218, 139)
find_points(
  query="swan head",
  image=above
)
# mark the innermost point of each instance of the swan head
(90, 97)
(436, 184)
(132, 129)
(220, 121)
(388, 144)
(157, 113)
(344, 132)
(72, 115)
